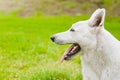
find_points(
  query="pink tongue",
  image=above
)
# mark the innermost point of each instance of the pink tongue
(63, 58)
(65, 54)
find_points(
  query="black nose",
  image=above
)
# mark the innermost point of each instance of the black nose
(52, 38)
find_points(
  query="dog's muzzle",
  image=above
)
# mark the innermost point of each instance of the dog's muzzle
(70, 52)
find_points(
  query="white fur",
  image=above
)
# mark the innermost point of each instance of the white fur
(101, 51)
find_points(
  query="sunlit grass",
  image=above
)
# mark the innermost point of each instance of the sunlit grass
(27, 53)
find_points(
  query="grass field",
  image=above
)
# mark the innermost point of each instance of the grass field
(27, 53)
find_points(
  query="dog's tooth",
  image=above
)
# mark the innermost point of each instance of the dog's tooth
(73, 48)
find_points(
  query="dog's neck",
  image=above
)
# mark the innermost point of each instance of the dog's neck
(104, 40)
(101, 54)
(104, 51)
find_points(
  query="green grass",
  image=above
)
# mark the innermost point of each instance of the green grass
(27, 53)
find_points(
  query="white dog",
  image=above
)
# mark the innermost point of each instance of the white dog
(101, 50)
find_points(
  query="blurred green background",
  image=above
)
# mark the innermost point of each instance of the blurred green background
(26, 51)
(58, 7)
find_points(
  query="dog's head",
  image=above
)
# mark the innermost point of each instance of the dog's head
(82, 34)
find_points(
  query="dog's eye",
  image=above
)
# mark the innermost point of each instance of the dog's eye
(72, 30)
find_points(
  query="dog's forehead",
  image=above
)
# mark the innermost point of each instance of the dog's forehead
(79, 24)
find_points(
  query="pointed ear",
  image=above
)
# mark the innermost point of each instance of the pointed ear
(97, 18)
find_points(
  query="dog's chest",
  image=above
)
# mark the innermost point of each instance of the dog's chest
(95, 61)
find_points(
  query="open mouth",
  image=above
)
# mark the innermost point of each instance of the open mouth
(70, 52)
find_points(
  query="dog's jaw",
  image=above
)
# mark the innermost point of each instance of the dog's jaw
(71, 52)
